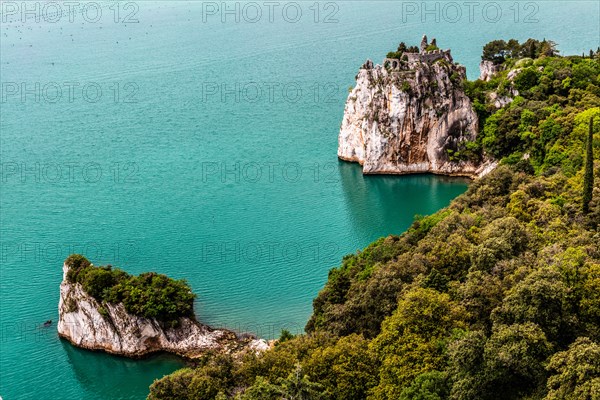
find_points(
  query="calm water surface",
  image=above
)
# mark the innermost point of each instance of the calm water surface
(206, 151)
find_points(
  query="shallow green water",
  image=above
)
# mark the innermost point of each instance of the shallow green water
(216, 163)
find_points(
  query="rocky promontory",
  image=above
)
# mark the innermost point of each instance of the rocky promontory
(409, 115)
(90, 321)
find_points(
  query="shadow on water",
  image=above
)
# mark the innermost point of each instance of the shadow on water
(375, 201)
(100, 373)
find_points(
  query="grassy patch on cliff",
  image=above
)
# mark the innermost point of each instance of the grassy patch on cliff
(148, 295)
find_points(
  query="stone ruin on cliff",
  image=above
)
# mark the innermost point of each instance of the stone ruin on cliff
(410, 59)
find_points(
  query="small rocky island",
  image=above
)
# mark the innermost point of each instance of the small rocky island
(102, 308)
(410, 115)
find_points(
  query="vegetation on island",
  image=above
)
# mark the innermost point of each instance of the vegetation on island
(495, 297)
(545, 119)
(402, 48)
(148, 295)
(498, 51)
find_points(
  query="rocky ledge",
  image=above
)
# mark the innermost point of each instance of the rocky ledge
(487, 70)
(410, 115)
(86, 323)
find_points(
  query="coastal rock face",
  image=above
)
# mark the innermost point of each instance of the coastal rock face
(409, 115)
(509, 93)
(487, 69)
(118, 332)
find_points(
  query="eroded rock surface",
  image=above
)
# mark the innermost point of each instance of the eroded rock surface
(109, 327)
(410, 115)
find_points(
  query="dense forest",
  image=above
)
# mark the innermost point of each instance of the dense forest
(495, 297)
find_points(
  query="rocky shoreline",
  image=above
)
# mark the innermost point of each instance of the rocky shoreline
(86, 323)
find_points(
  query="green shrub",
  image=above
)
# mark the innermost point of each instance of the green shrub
(526, 79)
(76, 263)
(97, 280)
(148, 295)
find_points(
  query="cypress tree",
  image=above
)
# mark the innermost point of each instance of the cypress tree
(588, 178)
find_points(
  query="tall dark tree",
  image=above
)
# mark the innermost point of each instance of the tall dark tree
(588, 178)
(547, 48)
(495, 51)
(529, 48)
(513, 47)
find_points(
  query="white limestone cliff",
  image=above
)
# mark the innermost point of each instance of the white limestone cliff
(409, 116)
(487, 69)
(109, 327)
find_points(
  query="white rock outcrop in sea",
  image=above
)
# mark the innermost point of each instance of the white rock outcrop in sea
(119, 332)
(408, 115)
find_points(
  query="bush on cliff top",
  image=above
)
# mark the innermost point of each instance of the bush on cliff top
(148, 295)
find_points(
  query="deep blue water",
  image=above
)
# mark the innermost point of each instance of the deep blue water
(204, 149)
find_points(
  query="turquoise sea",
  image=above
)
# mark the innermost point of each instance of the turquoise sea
(201, 143)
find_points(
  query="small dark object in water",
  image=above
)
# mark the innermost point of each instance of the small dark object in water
(48, 323)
